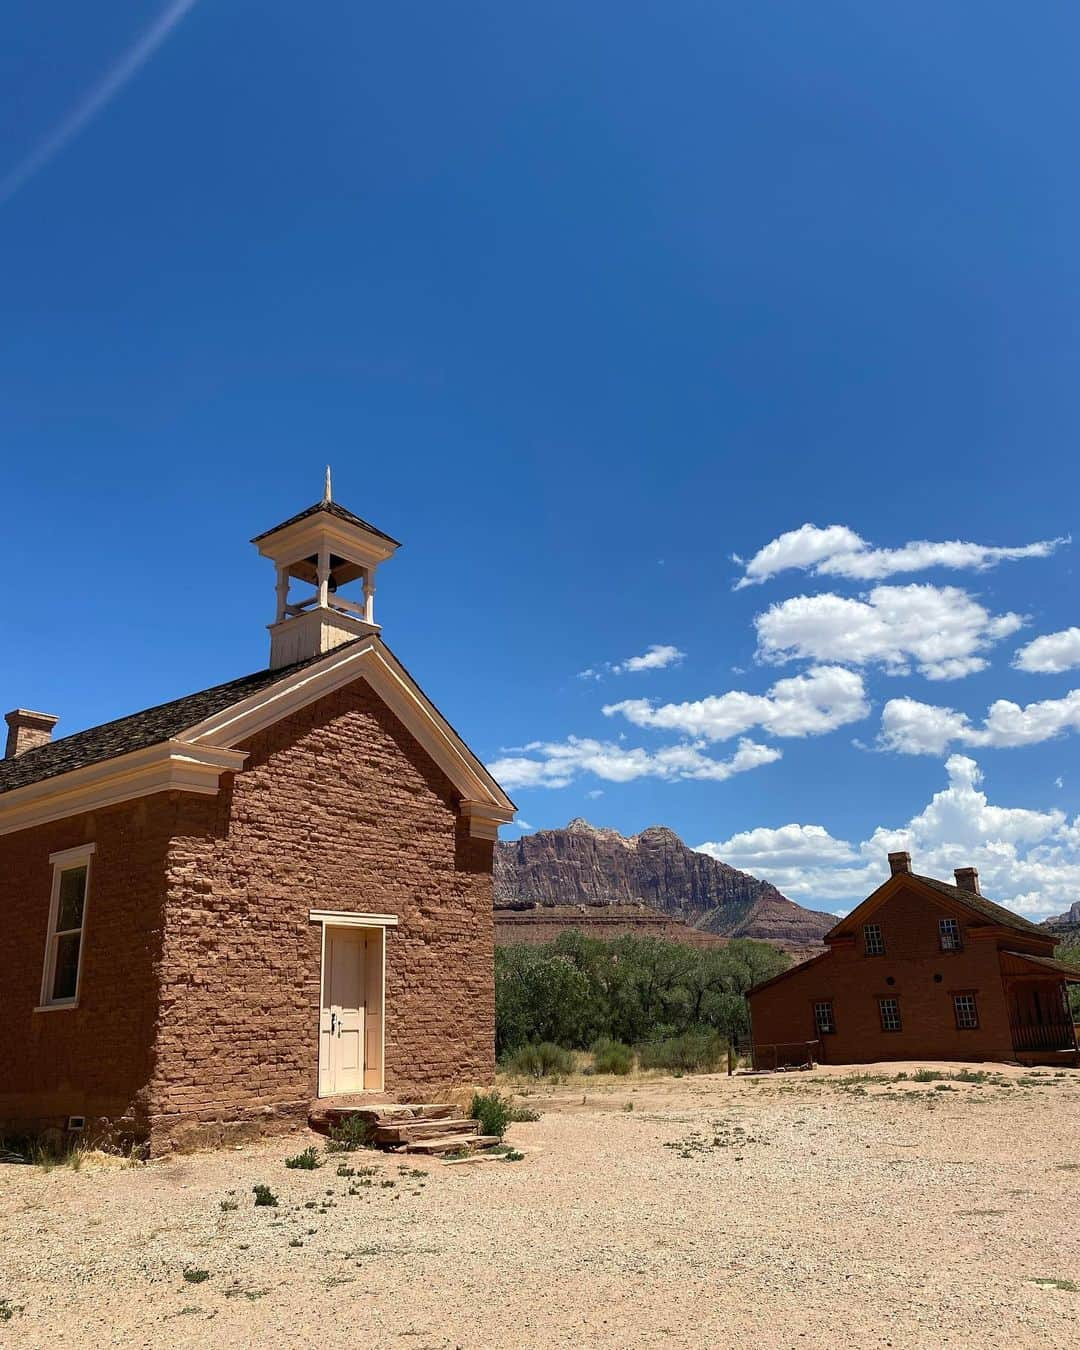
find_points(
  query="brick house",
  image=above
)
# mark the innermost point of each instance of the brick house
(214, 911)
(921, 970)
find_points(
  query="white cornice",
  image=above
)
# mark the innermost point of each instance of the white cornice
(173, 764)
(195, 762)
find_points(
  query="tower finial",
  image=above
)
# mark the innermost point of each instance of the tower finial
(327, 494)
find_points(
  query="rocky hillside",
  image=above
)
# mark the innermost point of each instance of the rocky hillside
(584, 865)
(1070, 919)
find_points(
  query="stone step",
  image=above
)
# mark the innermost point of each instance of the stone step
(450, 1143)
(409, 1131)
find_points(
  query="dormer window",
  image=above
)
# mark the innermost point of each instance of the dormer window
(949, 935)
(873, 939)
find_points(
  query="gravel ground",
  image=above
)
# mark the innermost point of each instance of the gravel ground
(822, 1209)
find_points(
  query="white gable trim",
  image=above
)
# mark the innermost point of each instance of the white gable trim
(195, 761)
(483, 801)
(171, 765)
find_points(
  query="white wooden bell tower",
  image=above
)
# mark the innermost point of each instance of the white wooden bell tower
(328, 551)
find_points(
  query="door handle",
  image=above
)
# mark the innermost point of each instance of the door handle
(333, 1023)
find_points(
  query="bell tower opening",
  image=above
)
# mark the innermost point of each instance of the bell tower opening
(326, 560)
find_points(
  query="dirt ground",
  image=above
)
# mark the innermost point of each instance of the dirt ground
(810, 1209)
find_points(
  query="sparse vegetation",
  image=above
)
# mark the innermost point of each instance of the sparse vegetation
(612, 1056)
(349, 1134)
(264, 1195)
(307, 1161)
(543, 1060)
(693, 1052)
(493, 1112)
(194, 1276)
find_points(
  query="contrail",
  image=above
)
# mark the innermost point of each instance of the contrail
(96, 98)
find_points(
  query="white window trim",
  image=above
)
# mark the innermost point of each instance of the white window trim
(61, 862)
(343, 918)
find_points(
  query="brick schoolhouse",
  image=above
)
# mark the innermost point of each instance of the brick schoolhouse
(921, 970)
(277, 889)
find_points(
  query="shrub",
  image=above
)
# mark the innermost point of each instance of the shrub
(692, 1052)
(349, 1134)
(264, 1195)
(307, 1161)
(545, 1060)
(195, 1276)
(612, 1056)
(524, 1113)
(493, 1112)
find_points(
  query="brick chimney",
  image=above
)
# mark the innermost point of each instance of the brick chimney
(967, 879)
(899, 862)
(27, 730)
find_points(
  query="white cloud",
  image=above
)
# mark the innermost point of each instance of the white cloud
(789, 846)
(820, 700)
(838, 551)
(915, 728)
(1050, 654)
(1028, 860)
(658, 657)
(556, 764)
(939, 628)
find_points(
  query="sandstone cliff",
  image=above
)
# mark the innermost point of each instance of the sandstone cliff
(584, 865)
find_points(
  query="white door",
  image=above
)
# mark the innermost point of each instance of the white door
(341, 1023)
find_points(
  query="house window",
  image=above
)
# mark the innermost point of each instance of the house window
(873, 939)
(949, 935)
(67, 915)
(823, 1018)
(889, 1011)
(967, 1012)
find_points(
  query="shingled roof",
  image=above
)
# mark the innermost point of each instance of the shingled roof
(137, 731)
(331, 509)
(987, 908)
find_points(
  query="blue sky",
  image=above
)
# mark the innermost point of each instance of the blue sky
(580, 302)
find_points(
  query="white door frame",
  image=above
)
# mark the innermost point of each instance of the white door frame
(330, 918)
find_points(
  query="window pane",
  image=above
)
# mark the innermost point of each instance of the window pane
(72, 894)
(67, 966)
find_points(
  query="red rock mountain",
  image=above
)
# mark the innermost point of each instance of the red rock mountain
(584, 865)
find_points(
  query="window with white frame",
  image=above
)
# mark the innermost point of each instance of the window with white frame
(889, 1011)
(949, 935)
(823, 1018)
(67, 915)
(967, 1012)
(873, 939)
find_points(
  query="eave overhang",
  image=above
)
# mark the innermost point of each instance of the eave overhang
(195, 761)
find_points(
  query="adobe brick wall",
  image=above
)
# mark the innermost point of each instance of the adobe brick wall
(337, 807)
(783, 1012)
(93, 1060)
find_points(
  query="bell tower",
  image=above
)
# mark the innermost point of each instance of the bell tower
(333, 555)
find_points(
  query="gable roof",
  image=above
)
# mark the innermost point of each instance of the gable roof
(987, 909)
(331, 509)
(136, 731)
(969, 900)
(1070, 973)
(189, 742)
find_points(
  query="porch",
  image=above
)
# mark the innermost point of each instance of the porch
(1036, 993)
